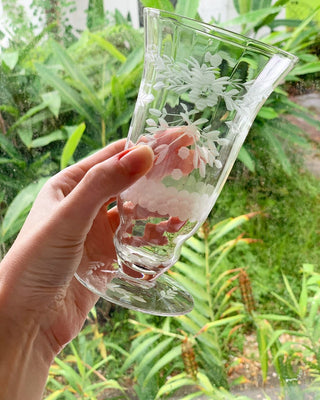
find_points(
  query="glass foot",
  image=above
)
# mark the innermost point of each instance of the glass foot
(163, 297)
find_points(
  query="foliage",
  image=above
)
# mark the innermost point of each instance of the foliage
(195, 343)
(59, 104)
(63, 99)
(287, 226)
(295, 337)
(298, 37)
(78, 373)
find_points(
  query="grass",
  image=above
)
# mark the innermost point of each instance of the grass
(288, 225)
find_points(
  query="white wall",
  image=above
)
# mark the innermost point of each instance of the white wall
(219, 10)
(79, 17)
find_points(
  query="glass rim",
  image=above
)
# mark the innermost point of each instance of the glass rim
(226, 35)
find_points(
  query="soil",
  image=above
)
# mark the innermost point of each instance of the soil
(310, 101)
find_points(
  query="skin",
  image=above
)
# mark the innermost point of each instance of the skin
(42, 305)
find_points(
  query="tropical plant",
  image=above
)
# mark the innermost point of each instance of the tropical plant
(78, 373)
(59, 104)
(295, 337)
(297, 37)
(193, 342)
(271, 130)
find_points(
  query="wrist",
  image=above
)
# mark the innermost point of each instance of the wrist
(25, 361)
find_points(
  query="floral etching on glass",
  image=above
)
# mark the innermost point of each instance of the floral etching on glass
(201, 87)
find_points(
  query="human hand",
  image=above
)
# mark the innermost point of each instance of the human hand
(173, 156)
(42, 305)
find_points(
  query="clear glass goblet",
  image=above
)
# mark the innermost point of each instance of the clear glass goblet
(201, 89)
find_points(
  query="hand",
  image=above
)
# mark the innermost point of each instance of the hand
(172, 153)
(42, 305)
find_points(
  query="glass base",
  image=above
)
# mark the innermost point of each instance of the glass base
(164, 296)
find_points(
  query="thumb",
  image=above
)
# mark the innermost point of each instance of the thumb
(103, 182)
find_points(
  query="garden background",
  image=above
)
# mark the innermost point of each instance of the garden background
(253, 268)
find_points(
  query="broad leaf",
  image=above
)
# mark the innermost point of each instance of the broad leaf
(20, 204)
(160, 4)
(10, 58)
(67, 93)
(47, 139)
(166, 359)
(139, 351)
(53, 102)
(71, 145)
(252, 18)
(245, 157)
(108, 46)
(25, 133)
(277, 149)
(153, 353)
(187, 8)
(133, 60)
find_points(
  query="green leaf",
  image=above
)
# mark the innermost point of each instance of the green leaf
(108, 46)
(16, 225)
(160, 4)
(4, 160)
(232, 223)
(149, 358)
(300, 29)
(192, 256)
(32, 111)
(226, 321)
(166, 359)
(80, 366)
(305, 69)
(10, 110)
(80, 80)
(71, 145)
(70, 375)
(242, 6)
(303, 299)
(67, 93)
(196, 244)
(53, 102)
(109, 384)
(245, 157)
(204, 381)
(10, 59)
(25, 134)
(252, 18)
(195, 289)
(20, 203)
(199, 315)
(187, 8)
(69, 65)
(278, 151)
(192, 273)
(133, 60)
(263, 333)
(47, 139)
(55, 395)
(139, 351)
(175, 383)
(291, 294)
(268, 113)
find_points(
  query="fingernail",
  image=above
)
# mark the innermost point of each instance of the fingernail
(125, 152)
(137, 159)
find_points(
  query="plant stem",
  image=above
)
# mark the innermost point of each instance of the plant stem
(208, 286)
(103, 133)
(157, 330)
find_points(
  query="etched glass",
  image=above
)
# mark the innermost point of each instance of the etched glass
(201, 90)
